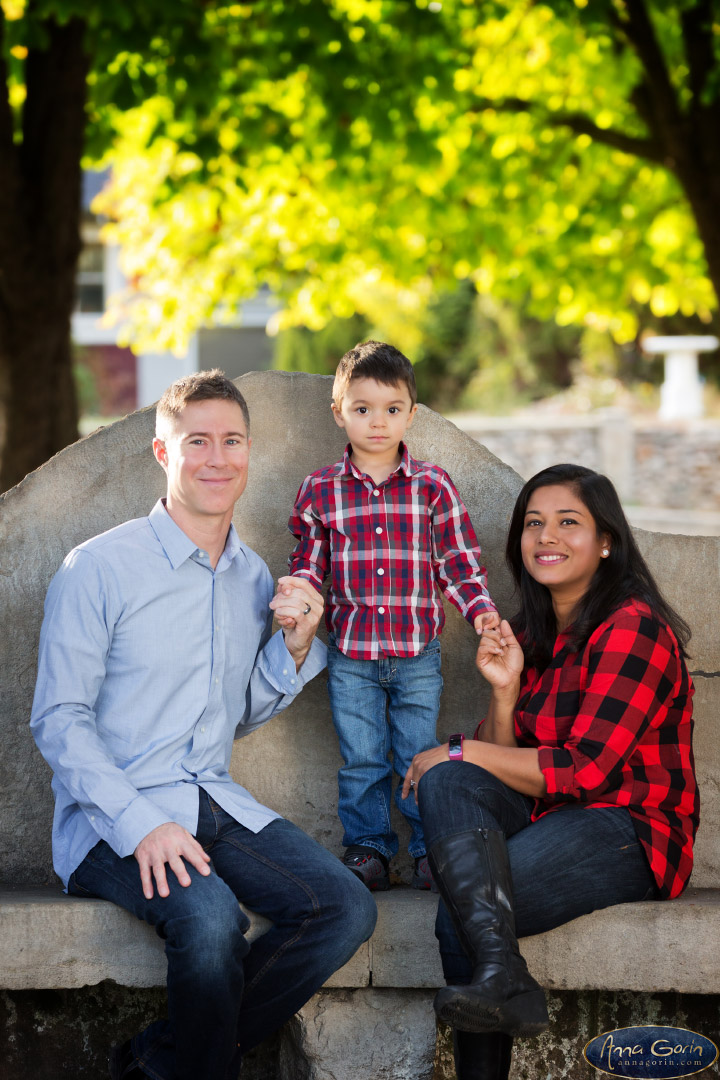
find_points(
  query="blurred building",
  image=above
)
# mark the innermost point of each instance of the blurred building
(113, 380)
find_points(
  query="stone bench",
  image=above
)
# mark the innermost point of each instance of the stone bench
(641, 963)
(50, 940)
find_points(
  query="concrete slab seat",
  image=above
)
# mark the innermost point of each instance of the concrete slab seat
(52, 941)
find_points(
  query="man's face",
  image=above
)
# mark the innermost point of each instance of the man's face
(205, 454)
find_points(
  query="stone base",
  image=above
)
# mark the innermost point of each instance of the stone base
(366, 1034)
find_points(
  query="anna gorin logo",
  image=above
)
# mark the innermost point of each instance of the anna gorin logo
(645, 1053)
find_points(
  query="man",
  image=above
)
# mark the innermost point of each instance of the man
(155, 652)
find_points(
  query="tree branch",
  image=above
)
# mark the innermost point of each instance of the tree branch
(618, 140)
(8, 150)
(640, 32)
(651, 149)
(697, 34)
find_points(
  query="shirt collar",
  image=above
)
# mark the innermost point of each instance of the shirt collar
(408, 465)
(177, 545)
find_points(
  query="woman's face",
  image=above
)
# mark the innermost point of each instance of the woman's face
(560, 545)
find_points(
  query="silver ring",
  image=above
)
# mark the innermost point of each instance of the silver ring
(307, 610)
(412, 783)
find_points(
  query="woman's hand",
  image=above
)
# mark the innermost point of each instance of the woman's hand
(499, 658)
(420, 765)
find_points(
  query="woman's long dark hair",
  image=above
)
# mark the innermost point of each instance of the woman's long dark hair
(622, 575)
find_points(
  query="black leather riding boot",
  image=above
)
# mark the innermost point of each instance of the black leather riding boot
(482, 1057)
(472, 872)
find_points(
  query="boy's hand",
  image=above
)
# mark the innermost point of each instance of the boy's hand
(489, 620)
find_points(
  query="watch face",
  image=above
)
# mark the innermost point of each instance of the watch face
(455, 748)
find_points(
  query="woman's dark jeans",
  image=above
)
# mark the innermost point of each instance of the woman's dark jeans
(570, 862)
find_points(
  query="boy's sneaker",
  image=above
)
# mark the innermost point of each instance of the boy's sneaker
(369, 865)
(422, 878)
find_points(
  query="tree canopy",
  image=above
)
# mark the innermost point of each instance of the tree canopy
(562, 152)
(350, 154)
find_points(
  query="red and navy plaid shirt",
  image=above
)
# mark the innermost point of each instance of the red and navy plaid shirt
(613, 727)
(386, 547)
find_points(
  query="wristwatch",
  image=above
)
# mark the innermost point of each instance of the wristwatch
(455, 747)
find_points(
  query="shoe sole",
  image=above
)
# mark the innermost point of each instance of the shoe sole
(423, 883)
(523, 1016)
(375, 885)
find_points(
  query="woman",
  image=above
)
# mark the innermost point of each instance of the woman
(579, 790)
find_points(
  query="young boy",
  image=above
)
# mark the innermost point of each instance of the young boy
(388, 529)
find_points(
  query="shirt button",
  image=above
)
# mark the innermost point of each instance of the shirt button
(285, 671)
(378, 530)
(381, 611)
(202, 729)
(376, 492)
(217, 681)
(293, 681)
(381, 572)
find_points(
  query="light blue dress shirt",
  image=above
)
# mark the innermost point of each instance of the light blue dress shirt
(150, 664)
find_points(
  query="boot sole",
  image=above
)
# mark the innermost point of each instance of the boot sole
(523, 1016)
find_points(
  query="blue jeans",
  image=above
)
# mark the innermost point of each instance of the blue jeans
(225, 996)
(567, 863)
(380, 705)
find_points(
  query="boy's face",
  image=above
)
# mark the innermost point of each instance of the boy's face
(375, 416)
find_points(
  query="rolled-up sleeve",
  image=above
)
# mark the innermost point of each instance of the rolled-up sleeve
(630, 680)
(275, 683)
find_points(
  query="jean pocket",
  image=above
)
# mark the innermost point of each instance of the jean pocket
(74, 889)
(431, 648)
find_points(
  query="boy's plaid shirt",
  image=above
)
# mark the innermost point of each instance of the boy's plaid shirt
(613, 725)
(386, 548)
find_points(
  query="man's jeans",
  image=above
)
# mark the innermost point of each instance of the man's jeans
(381, 705)
(567, 863)
(321, 914)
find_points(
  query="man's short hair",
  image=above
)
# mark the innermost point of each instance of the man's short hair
(200, 386)
(374, 360)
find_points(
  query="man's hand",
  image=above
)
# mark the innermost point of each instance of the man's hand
(298, 607)
(168, 843)
(487, 621)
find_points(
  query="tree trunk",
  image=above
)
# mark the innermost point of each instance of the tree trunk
(40, 195)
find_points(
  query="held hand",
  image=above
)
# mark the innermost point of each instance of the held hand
(487, 621)
(168, 843)
(420, 765)
(500, 658)
(298, 607)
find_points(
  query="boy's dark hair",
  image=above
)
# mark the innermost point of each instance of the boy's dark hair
(624, 574)
(374, 360)
(200, 386)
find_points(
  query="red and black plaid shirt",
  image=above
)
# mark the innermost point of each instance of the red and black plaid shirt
(613, 727)
(386, 547)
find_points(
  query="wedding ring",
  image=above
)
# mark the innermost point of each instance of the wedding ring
(307, 610)
(412, 783)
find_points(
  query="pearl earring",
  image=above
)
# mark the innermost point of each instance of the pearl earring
(605, 552)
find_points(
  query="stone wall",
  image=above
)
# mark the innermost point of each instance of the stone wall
(653, 464)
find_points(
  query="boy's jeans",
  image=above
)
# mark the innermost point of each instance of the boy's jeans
(321, 914)
(377, 706)
(569, 862)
